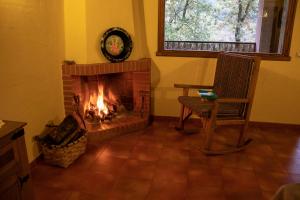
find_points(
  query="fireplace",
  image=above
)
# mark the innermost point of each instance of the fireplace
(106, 96)
(114, 97)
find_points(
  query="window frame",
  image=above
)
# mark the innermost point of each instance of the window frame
(284, 56)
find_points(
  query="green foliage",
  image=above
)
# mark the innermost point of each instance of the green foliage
(211, 20)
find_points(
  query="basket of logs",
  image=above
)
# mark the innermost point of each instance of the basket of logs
(61, 145)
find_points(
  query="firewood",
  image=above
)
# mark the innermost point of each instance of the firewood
(67, 127)
(72, 137)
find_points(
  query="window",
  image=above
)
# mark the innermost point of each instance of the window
(202, 28)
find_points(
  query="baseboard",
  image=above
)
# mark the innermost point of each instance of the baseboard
(171, 118)
(273, 125)
(163, 118)
(251, 123)
(34, 163)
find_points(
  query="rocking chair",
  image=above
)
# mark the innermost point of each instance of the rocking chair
(234, 86)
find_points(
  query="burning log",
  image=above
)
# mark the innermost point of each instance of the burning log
(109, 116)
(100, 107)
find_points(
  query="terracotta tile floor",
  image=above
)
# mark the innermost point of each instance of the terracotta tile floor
(160, 163)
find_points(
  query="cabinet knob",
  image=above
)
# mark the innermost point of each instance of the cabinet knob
(23, 179)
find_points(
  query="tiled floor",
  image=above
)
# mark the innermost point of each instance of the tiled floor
(160, 163)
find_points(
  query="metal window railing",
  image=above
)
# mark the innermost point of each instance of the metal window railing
(210, 46)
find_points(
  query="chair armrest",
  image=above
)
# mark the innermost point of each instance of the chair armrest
(232, 100)
(193, 86)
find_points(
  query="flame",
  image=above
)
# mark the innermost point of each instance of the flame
(100, 102)
(111, 97)
(99, 105)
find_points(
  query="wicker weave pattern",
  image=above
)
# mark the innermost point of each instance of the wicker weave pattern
(64, 156)
(232, 78)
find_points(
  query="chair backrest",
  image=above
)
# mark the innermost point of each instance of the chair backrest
(236, 77)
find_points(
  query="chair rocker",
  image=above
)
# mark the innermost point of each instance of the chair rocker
(234, 85)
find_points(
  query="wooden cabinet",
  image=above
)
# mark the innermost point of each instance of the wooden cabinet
(15, 180)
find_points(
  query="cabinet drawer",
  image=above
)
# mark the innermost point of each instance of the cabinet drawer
(10, 188)
(8, 160)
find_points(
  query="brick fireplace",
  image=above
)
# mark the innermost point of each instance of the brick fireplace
(122, 88)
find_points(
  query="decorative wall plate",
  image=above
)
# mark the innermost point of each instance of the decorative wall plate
(116, 44)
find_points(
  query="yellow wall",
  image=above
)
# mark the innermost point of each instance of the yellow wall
(86, 21)
(278, 89)
(75, 30)
(102, 15)
(31, 51)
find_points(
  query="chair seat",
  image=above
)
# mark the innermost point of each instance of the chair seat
(203, 107)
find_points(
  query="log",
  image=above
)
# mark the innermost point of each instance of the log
(65, 128)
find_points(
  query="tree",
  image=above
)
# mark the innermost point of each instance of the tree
(187, 20)
(211, 20)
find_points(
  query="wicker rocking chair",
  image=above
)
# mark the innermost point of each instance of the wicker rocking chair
(234, 85)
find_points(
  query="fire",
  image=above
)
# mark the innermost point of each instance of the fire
(99, 107)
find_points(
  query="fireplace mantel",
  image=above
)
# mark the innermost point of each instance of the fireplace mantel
(106, 68)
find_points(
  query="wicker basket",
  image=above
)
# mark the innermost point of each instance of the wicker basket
(63, 156)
